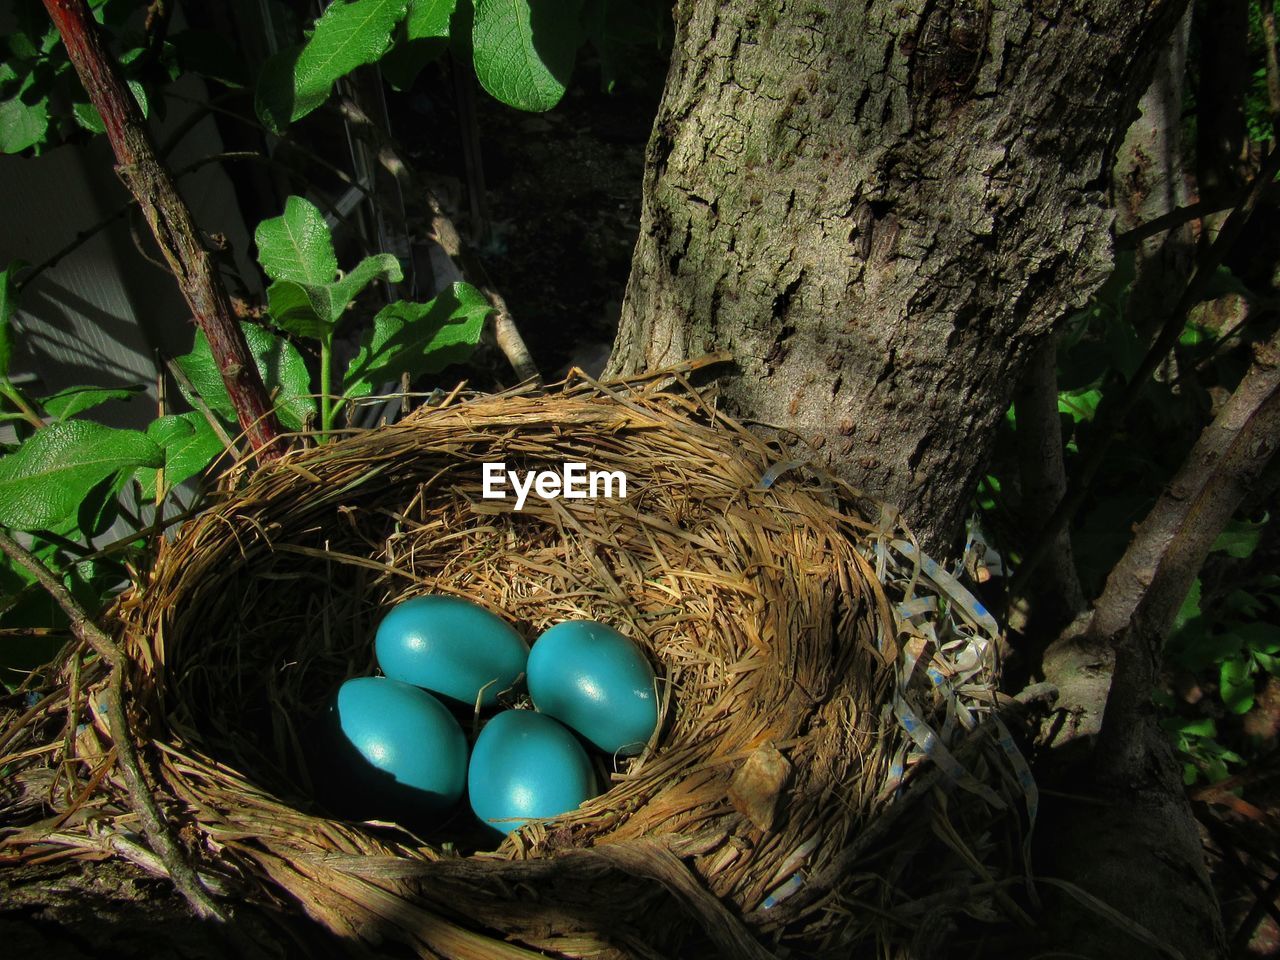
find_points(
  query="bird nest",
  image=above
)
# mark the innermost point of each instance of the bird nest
(759, 821)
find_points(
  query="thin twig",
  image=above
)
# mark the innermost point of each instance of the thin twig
(1111, 416)
(143, 803)
(170, 220)
(198, 402)
(1205, 207)
(1056, 597)
(447, 237)
(1148, 585)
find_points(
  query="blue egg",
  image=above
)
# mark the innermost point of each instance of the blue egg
(596, 681)
(452, 647)
(410, 750)
(526, 766)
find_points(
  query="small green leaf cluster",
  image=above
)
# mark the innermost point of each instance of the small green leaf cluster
(64, 482)
(309, 297)
(42, 102)
(1226, 643)
(523, 51)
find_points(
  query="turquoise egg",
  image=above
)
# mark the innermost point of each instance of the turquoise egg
(409, 752)
(596, 681)
(526, 766)
(452, 647)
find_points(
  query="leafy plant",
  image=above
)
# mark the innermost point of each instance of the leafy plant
(523, 52)
(68, 477)
(42, 102)
(309, 297)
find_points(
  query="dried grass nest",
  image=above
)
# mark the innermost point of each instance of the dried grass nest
(759, 822)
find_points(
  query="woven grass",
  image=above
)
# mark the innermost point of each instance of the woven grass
(734, 832)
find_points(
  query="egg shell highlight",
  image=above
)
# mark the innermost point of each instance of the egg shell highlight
(452, 647)
(596, 681)
(526, 766)
(409, 752)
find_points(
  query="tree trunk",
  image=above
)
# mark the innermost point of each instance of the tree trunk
(1150, 183)
(877, 208)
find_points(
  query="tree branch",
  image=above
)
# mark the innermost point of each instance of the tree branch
(1057, 596)
(1147, 587)
(170, 220)
(1111, 415)
(143, 803)
(446, 235)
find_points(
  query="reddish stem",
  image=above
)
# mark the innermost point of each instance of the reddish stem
(152, 186)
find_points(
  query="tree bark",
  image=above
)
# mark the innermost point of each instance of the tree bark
(877, 208)
(1149, 183)
(1055, 596)
(1142, 824)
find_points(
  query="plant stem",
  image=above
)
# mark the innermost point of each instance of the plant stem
(170, 220)
(326, 398)
(14, 396)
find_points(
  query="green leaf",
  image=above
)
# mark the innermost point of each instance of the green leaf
(275, 99)
(296, 251)
(1239, 538)
(314, 309)
(189, 445)
(8, 305)
(424, 38)
(418, 338)
(22, 124)
(1079, 404)
(1258, 637)
(347, 35)
(93, 582)
(282, 368)
(428, 18)
(524, 49)
(403, 62)
(1190, 726)
(101, 506)
(44, 482)
(1236, 684)
(70, 401)
(1269, 663)
(296, 245)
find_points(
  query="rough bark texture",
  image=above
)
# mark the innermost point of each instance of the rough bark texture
(876, 207)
